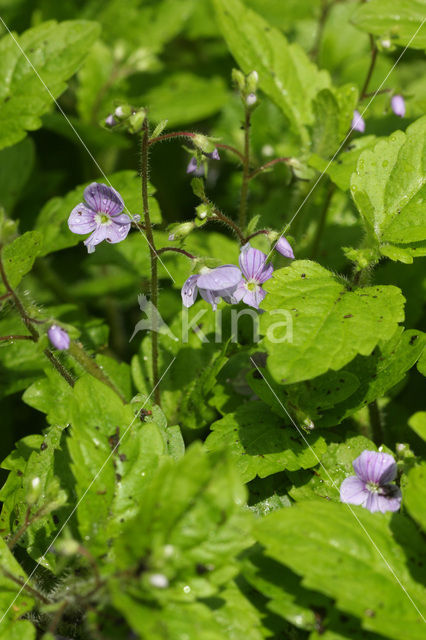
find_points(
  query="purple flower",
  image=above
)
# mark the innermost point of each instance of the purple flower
(256, 272)
(214, 155)
(371, 487)
(110, 121)
(194, 168)
(398, 105)
(101, 215)
(358, 123)
(212, 285)
(58, 337)
(283, 246)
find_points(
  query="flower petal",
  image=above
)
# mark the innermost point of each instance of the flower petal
(353, 491)
(224, 277)
(390, 502)
(117, 232)
(103, 199)
(82, 219)
(122, 218)
(190, 290)
(254, 298)
(210, 297)
(375, 466)
(358, 123)
(265, 273)
(58, 337)
(372, 502)
(398, 105)
(99, 234)
(251, 261)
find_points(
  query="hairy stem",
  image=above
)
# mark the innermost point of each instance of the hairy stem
(189, 134)
(269, 164)
(28, 322)
(16, 337)
(256, 233)
(153, 255)
(325, 10)
(228, 222)
(25, 586)
(177, 250)
(242, 217)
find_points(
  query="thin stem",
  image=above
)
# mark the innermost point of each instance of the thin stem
(325, 10)
(177, 250)
(375, 93)
(370, 68)
(5, 296)
(57, 618)
(25, 586)
(78, 352)
(16, 337)
(230, 223)
(375, 422)
(256, 233)
(269, 164)
(153, 256)
(322, 221)
(27, 523)
(242, 217)
(190, 134)
(59, 367)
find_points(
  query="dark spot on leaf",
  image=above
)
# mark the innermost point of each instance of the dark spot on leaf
(413, 339)
(55, 518)
(118, 476)
(123, 457)
(19, 473)
(348, 315)
(43, 446)
(303, 275)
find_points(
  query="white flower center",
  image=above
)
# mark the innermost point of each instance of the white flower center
(373, 487)
(103, 218)
(252, 285)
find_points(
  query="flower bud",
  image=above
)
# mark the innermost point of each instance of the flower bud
(180, 231)
(251, 99)
(8, 228)
(110, 121)
(203, 143)
(238, 78)
(281, 244)
(204, 211)
(34, 490)
(58, 337)
(358, 122)
(398, 105)
(252, 82)
(136, 121)
(122, 112)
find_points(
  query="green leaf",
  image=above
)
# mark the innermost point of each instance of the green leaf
(18, 630)
(418, 424)
(414, 494)
(53, 52)
(183, 98)
(51, 395)
(334, 553)
(330, 323)
(52, 220)
(389, 189)
(12, 608)
(421, 365)
(18, 257)
(396, 24)
(191, 513)
(16, 166)
(261, 443)
(93, 78)
(286, 74)
(333, 112)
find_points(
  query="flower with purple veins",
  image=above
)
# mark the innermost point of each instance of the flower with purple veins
(284, 248)
(372, 487)
(398, 105)
(256, 272)
(58, 337)
(358, 122)
(101, 215)
(212, 285)
(194, 168)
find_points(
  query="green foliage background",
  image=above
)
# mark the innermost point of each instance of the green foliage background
(218, 514)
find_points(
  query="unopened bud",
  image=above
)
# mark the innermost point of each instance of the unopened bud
(398, 105)
(203, 143)
(136, 121)
(110, 121)
(204, 211)
(122, 112)
(180, 231)
(238, 78)
(251, 99)
(252, 81)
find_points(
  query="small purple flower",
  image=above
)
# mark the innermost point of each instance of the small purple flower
(214, 155)
(358, 123)
(398, 105)
(101, 215)
(212, 285)
(256, 271)
(371, 487)
(284, 248)
(58, 337)
(110, 121)
(194, 168)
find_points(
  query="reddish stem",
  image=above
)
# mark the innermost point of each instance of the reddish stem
(190, 135)
(177, 250)
(271, 163)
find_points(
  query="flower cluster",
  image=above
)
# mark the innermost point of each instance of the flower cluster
(372, 486)
(234, 284)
